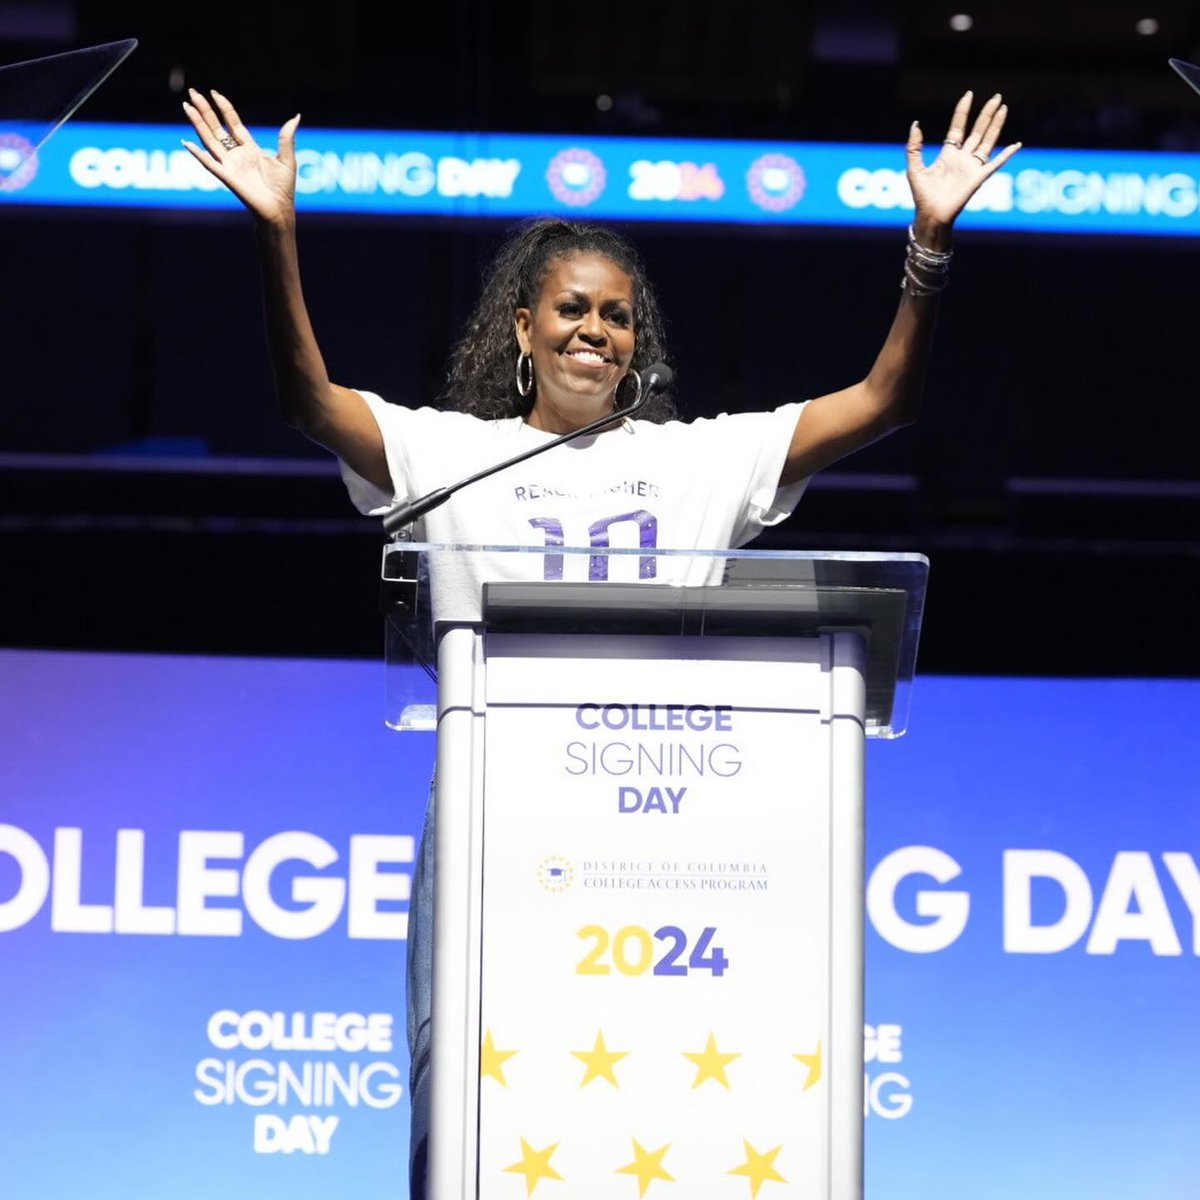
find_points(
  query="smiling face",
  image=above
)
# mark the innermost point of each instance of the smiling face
(581, 336)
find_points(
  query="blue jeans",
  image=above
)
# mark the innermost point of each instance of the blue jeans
(420, 1009)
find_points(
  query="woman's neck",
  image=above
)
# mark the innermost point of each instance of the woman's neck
(551, 419)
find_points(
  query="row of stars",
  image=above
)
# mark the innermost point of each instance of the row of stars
(647, 1166)
(600, 1062)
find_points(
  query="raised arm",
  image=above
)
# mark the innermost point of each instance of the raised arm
(832, 426)
(335, 417)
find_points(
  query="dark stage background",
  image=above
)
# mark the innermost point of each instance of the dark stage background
(150, 499)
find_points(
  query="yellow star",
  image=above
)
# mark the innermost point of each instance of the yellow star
(813, 1063)
(491, 1060)
(534, 1165)
(758, 1167)
(647, 1166)
(599, 1061)
(711, 1063)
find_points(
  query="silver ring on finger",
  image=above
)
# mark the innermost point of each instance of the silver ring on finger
(981, 157)
(230, 142)
(952, 142)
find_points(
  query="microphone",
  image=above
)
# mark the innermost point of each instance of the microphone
(654, 379)
(657, 377)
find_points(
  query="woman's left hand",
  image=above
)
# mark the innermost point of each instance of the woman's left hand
(942, 189)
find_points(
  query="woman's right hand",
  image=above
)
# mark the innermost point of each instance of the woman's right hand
(265, 183)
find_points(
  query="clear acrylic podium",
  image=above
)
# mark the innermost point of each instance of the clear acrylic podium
(649, 882)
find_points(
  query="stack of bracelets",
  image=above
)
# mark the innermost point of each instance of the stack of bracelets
(933, 265)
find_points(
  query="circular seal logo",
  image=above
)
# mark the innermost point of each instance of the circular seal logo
(555, 874)
(775, 182)
(18, 161)
(576, 177)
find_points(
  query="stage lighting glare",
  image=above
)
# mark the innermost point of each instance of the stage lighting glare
(1147, 27)
(604, 102)
(961, 22)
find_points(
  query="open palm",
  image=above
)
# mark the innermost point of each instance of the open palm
(942, 189)
(265, 183)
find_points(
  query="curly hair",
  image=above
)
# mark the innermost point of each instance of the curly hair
(482, 375)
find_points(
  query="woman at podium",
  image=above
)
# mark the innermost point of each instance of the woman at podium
(565, 325)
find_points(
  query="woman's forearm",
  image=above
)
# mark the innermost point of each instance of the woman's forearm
(889, 396)
(897, 377)
(301, 380)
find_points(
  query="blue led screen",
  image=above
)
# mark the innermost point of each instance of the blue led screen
(406, 173)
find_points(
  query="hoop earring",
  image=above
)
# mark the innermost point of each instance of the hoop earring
(637, 395)
(524, 373)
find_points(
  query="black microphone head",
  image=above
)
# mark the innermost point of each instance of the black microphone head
(657, 377)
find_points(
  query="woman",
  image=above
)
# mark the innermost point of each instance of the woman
(566, 320)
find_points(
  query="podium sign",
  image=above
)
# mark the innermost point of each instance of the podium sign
(649, 879)
(655, 985)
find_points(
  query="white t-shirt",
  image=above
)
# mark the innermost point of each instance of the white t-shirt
(704, 484)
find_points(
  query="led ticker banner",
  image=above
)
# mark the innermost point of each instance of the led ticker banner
(640, 179)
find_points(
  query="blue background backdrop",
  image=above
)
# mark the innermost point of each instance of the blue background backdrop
(1068, 1075)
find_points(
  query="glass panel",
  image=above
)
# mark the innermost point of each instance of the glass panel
(37, 96)
(1188, 72)
(410, 654)
(694, 593)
